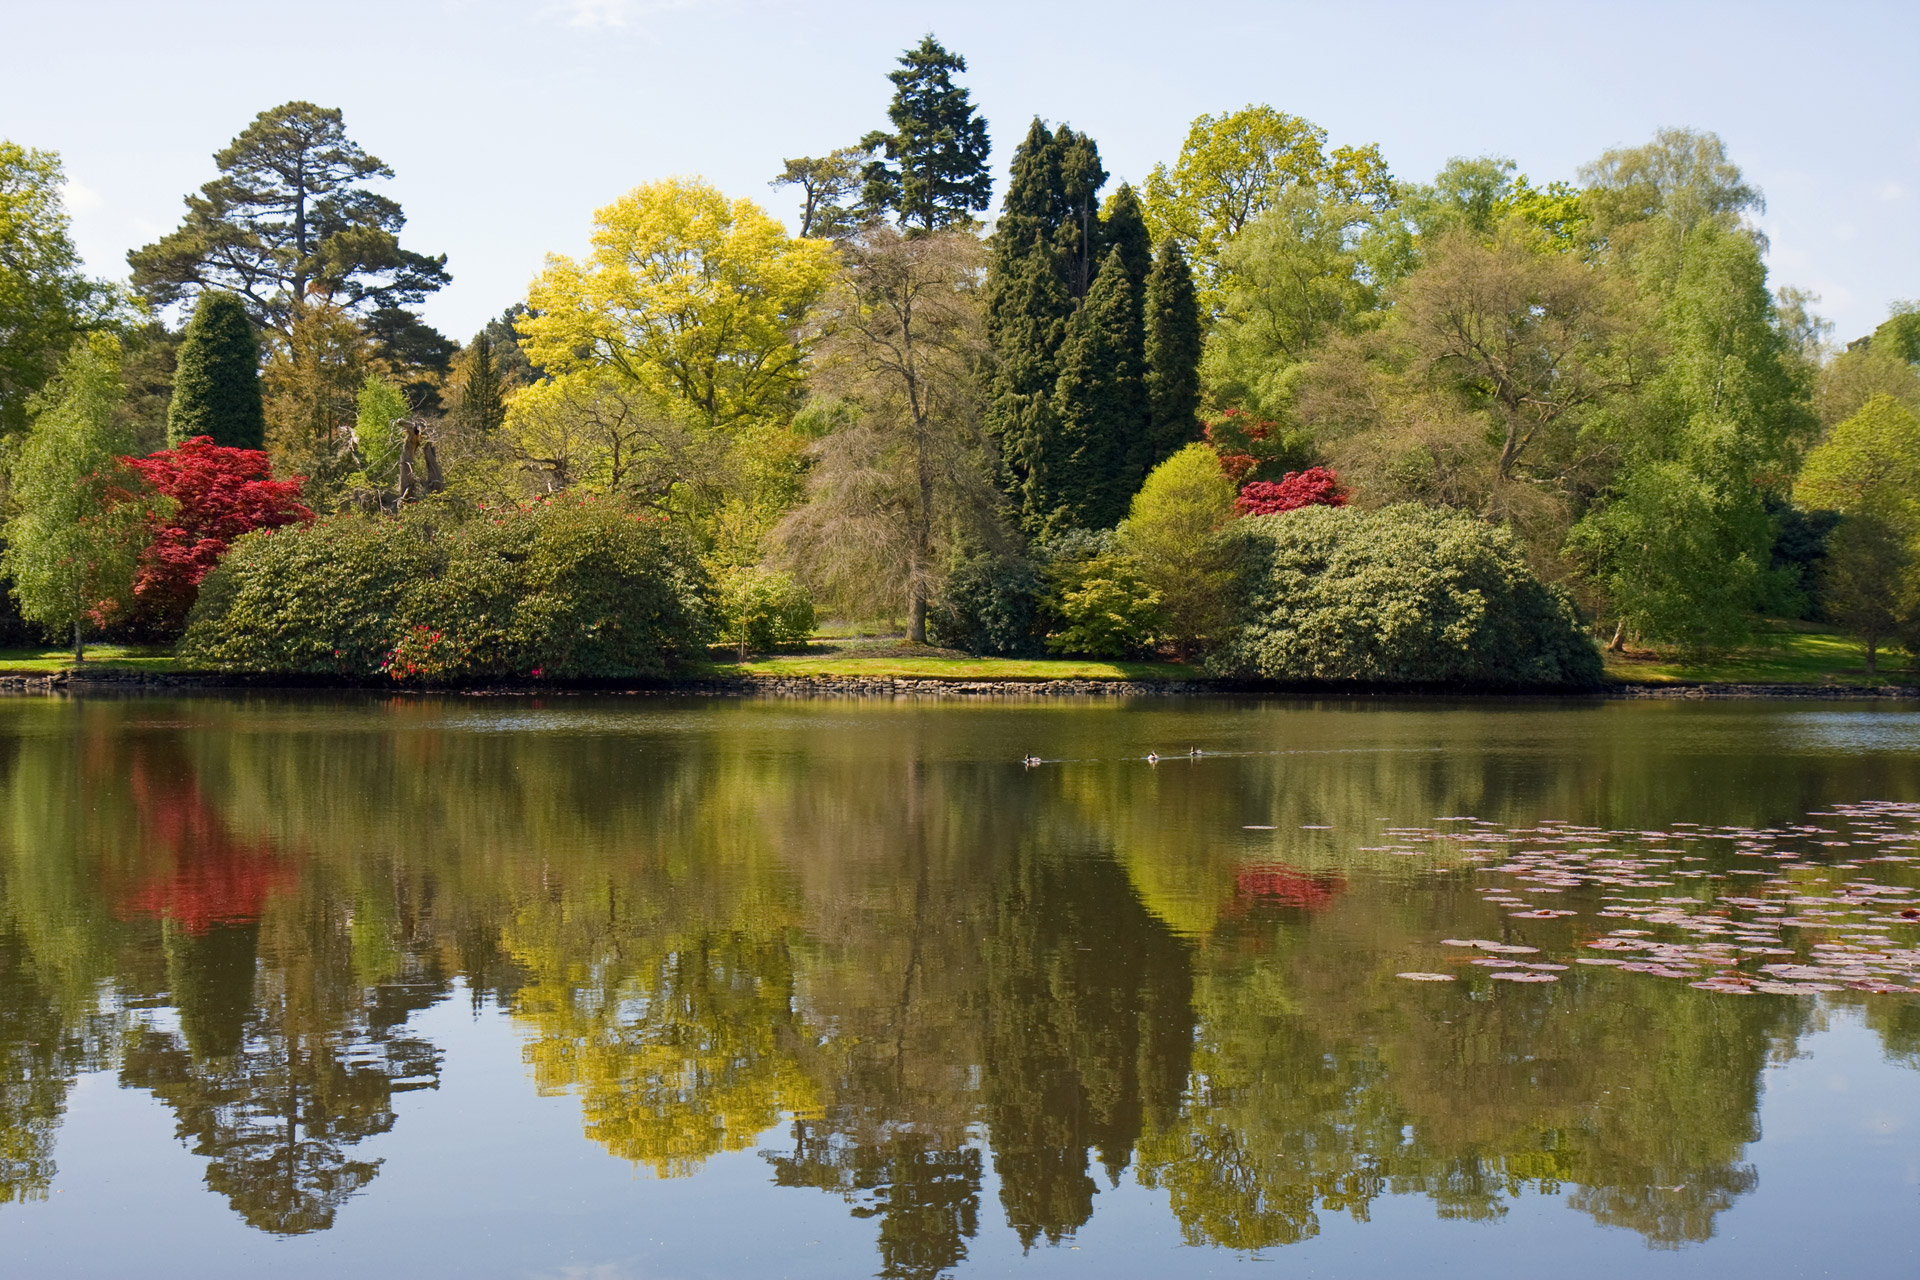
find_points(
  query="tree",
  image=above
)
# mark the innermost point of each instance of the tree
(216, 381)
(1646, 201)
(1046, 250)
(1868, 465)
(1171, 351)
(1866, 583)
(1233, 167)
(286, 216)
(687, 295)
(215, 494)
(1172, 534)
(824, 182)
(312, 380)
(1683, 540)
(1480, 388)
(45, 301)
(1099, 406)
(933, 171)
(1295, 277)
(904, 483)
(482, 406)
(70, 549)
(600, 433)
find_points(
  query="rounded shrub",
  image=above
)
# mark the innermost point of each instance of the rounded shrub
(990, 605)
(1405, 595)
(762, 609)
(558, 589)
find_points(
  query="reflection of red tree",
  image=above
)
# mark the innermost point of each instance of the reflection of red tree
(191, 870)
(1276, 884)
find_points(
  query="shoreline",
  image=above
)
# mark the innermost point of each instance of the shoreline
(119, 681)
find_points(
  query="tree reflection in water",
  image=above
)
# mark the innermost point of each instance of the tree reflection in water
(914, 964)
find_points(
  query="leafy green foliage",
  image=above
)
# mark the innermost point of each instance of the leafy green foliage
(1098, 604)
(1172, 534)
(990, 604)
(45, 301)
(216, 381)
(557, 589)
(1403, 595)
(758, 609)
(1866, 584)
(71, 548)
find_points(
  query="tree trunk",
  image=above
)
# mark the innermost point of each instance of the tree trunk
(1619, 640)
(1873, 653)
(409, 484)
(80, 649)
(917, 613)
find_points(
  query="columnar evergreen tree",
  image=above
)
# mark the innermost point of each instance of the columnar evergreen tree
(1099, 404)
(934, 167)
(482, 398)
(1171, 328)
(1047, 247)
(216, 382)
(1124, 227)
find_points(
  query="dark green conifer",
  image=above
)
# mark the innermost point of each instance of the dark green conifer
(1124, 227)
(216, 383)
(483, 399)
(1046, 247)
(934, 167)
(1172, 356)
(1099, 405)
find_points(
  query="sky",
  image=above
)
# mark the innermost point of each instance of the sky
(508, 124)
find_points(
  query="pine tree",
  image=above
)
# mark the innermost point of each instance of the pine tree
(1099, 404)
(482, 398)
(216, 384)
(1172, 355)
(934, 173)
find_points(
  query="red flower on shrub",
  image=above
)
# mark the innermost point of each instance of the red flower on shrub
(1314, 487)
(218, 494)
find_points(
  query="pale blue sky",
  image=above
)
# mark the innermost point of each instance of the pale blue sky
(508, 124)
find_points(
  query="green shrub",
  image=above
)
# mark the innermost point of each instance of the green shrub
(990, 605)
(761, 609)
(558, 589)
(1401, 596)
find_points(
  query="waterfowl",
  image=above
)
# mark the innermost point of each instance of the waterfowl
(1152, 758)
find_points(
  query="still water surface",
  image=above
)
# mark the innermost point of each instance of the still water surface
(620, 988)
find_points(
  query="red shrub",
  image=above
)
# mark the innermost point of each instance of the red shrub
(218, 494)
(1314, 487)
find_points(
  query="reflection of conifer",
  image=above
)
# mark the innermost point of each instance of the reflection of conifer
(927, 1197)
(1089, 1009)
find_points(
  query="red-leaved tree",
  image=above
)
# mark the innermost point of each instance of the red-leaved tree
(1314, 487)
(218, 494)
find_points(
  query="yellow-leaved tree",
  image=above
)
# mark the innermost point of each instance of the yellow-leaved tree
(690, 296)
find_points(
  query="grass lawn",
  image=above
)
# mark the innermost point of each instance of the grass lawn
(120, 657)
(1793, 654)
(962, 668)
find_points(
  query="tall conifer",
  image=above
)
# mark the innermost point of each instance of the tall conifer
(934, 171)
(216, 383)
(1172, 351)
(482, 398)
(1047, 246)
(1124, 227)
(1099, 404)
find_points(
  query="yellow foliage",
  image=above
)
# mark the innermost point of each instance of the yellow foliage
(689, 295)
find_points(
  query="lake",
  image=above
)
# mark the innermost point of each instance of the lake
(618, 987)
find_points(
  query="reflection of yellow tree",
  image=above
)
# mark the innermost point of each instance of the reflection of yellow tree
(676, 1057)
